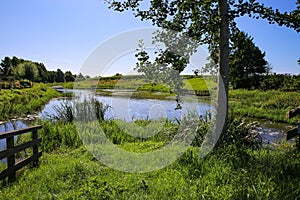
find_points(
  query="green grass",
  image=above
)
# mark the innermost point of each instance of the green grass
(68, 171)
(15, 102)
(268, 105)
(198, 83)
(138, 83)
(228, 173)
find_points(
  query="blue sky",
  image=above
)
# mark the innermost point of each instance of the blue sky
(63, 33)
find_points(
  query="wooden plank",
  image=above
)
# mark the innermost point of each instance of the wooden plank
(292, 113)
(292, 133)
(11, 159)
(7, 172)
(18, 132)
(26, 161)
(16, 149)
(35, 148)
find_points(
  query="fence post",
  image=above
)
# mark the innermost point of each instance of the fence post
(11, 159)
(35, 148)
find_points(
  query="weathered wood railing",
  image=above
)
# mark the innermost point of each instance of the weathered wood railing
(295, 131)
(11, 150)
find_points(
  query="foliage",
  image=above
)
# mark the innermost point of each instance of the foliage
(88, 110)
(228, 173)
(63, 112)
(23, 83)
(60, 77)
(69, 77)
(56, 135)
(16, 68)
(234, 171)
(246, 62)
(24, 101)
(242, 134)
(282, 82)
(29, 72)
(136, 82)
(268, 105)
(206, 22)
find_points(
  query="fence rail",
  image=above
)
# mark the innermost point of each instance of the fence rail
(295, 131)
(11, 150)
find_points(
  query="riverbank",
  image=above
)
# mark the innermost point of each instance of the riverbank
(68, 171)
(15, 103)
(264, 105)
(268, 105)
(138, 83)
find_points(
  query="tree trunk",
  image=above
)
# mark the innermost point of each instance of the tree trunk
(223, 74)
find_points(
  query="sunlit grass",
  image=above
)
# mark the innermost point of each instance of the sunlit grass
(269, 105)
(228, 173)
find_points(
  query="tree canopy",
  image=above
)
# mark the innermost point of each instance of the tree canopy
(246, 62)
(207, 22)
(16, 68)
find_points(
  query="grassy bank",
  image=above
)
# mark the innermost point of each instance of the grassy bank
(267, 105)
(16, 102)
(139, 83)
(68, 171)
(228, 173)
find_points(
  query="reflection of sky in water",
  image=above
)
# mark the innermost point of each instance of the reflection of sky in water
(12, 125)
(128, 109)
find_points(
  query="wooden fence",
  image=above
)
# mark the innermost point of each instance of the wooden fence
(295, 131)
(11, 150)
(196, 92)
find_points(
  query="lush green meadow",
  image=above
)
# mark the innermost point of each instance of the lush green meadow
(137, 82)
(268, 105)
(68, 171)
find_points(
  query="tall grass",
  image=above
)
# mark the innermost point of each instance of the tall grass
(234, 171)
(86, 111)
(269, 105)
(57, 135)
(228, 173)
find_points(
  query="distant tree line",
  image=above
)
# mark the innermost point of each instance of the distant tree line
(248, 68)
(12, 69)
(282, 82)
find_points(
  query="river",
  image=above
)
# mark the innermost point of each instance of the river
(124, 108)
(129, 109)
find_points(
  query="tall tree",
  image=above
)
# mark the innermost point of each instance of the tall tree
(246, 62)
(16, 61)
(69, 76)
(29, 72)
(42, 73)
(6, 64)
(60, 76)
(51, 76)
(80, 77)
(210, 22)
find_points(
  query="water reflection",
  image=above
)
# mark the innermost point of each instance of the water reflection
(7, 126)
